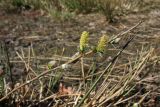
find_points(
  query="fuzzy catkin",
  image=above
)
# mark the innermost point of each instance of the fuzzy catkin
(102, 43)
(84, 40)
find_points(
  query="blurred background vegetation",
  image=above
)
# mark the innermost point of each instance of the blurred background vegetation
(66, 9)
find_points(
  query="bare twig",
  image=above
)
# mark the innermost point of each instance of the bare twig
(59, 96)
(82, 69)
(123, 33)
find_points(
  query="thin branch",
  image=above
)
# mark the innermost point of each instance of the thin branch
(125, 32)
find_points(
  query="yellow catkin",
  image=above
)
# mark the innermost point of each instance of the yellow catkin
(83, 40)
(103, 41)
